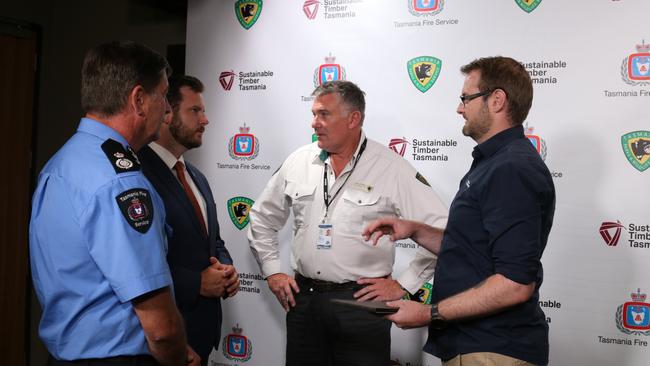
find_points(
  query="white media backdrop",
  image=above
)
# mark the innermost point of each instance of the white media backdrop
(260, 60)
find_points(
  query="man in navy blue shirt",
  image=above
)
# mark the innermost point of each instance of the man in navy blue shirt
(485, 293)
(97, 230)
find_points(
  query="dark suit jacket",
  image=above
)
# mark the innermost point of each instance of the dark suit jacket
(189, 251)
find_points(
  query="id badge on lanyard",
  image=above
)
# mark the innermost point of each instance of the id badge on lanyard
(324, 236)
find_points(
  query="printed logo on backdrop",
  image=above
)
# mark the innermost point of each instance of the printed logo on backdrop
(332, 9)
(544, 72)
(424, 71)
(329, 71)
(238, 209)
(398, 145)
(246, 80)
(226, 79)
(424, 11)
(423, 150)
(633, 317)
(611, 232)
(549, 304)
(248, 11)
(310, 8)
(425, 7)
(538, 142)
(236, 346)
(528, 5)
(638, 234)
(422, 295)
(244, 145)
(636, 147)
(635, 69)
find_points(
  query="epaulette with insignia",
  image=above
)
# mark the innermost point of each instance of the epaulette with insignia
(122, 160)
(422, 180)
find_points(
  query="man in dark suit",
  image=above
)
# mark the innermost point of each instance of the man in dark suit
(200, 264)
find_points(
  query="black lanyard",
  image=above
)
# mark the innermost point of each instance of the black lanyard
(328, 200)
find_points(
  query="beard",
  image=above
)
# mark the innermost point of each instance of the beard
(185, 136)
(479, 126)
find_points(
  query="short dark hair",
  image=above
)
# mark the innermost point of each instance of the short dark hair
(350, 93)
(509, 75)
(111, 70)
(176, 83)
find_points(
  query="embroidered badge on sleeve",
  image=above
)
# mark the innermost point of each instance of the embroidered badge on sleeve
(136, 207)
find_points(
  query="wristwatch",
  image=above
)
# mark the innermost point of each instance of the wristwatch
(437, 321)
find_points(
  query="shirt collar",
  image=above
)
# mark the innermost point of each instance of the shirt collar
(165, 155)
(323, 155)
(96, 128)
(496, 142)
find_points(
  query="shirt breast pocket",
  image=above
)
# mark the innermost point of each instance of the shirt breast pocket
(359, 208)
(302, 198)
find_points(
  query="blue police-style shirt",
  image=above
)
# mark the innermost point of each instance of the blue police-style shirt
(499, 223)
(97, 241)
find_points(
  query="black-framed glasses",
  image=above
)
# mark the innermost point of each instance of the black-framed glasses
(466, 98)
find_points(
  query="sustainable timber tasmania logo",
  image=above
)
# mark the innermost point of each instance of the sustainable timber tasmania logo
(238, 209)
(248, 11)
(236, 346)
(635, 69)
(633, 317)
(424, 71)
(310, 8)
(636, 147)
(398, 145)
(329, 71)
(611, 232)
(425, 7)
(528, 5)
(226, 79)
(244, 145)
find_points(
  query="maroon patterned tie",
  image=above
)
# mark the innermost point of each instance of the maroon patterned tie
(180, 172)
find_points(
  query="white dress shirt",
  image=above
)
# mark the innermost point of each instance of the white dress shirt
(170, 160)
(382, 184)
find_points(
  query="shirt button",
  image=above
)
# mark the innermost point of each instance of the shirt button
(359, 201)
(296, 194)
(318, 272)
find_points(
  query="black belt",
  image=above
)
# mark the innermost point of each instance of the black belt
(325, 286)
(144, 360)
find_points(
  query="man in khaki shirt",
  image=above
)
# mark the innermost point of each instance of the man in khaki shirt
(336, 186)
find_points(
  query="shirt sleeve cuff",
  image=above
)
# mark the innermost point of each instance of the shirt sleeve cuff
(145, 285)
(270, 268)
(410, 281)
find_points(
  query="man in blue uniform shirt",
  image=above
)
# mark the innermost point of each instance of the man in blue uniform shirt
(97, 231)
(486, 285)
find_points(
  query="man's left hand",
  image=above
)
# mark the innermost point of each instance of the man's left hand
(380, 289)
(411, 314)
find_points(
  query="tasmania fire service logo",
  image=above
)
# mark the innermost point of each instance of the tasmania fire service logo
(611, 232)
(310, 8)
(226, 79)
(248, 11)
(636, 146)
(236, 346)
(528, 5)
(329, 71)
(425, 7)
(633, 317)
(538, 142)
(635, 69)
(398, 145)
(238, 210)
(244, 145)
(424, 71)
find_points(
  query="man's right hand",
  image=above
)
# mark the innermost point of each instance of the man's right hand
(283, 286)
(215, 279)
